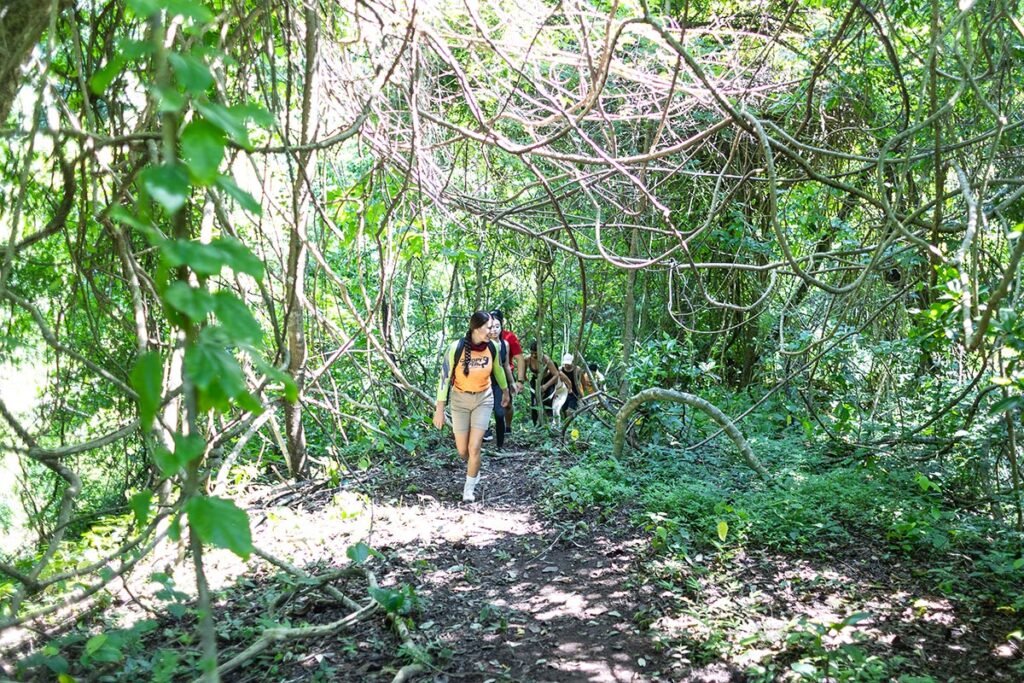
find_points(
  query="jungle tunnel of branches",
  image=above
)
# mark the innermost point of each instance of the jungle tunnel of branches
(774, 182)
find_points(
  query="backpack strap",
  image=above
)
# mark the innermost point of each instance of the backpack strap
(460, 347)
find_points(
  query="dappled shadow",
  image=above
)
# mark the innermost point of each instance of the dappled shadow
(507, 595)
(853, 606)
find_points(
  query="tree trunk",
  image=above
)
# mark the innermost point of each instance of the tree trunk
(629, 314)
(22, 23)
(295, 433)
(543, 265)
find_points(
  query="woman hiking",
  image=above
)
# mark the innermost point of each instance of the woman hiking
(500, 411)
(466, 370)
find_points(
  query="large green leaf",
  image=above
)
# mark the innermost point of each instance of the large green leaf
(360, 553)
(238, 258)
(209, 364)
(140, 504)
(186, 449)
(102, 79)
(209, 259)
(236, 319)
(194, 302)
(221, 523)
(203, 260)
(168, 185)
(147, 380)
(244, 199)
(231, 121)
(202, 149)
(192, 73)
(391, 600)
(189, 8)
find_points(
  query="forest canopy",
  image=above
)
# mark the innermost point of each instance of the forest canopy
(237, 237)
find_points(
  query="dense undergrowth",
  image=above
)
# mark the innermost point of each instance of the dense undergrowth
(704, 515)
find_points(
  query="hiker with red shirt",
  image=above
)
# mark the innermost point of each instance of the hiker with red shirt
(517, 360)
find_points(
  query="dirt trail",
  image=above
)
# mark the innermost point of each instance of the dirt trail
(510, 596)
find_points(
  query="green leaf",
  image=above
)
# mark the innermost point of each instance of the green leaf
(391, 600)
(236, 319)
(167, 99)
(220, 523)
(188, 447)
(804, 669)
(194, 302)
(95, 643)
(1006, 404)
(238, 257)
(101, 80)
(723, 530)
(856, 618)
(291, 390)
(202, 148)
(166, 461)
(168, 185)
(192, 73)
(121, 215)
(244, 199)
(201, 258)
(255, 113)
(208, 364)
(231, 121)
(147, 380)
(131, 49)
(360, 553)
(140, 504)
(174, 529)
(209, 259)
(144, 8)
(190, 9)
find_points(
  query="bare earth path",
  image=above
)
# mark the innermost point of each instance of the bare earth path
(509, 591)
(512, 597)
(507, 594)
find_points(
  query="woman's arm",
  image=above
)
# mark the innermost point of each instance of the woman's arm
(443, 386)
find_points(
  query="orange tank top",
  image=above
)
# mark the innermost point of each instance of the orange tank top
(479, 377)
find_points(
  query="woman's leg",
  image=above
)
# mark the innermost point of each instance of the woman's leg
(461, 414)
(478, 421)
(499, 432)
(475, 441)
(499, 419)
(462, 445)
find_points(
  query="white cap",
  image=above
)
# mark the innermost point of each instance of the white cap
(567, 359)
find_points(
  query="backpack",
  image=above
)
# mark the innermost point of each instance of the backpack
(459, 350)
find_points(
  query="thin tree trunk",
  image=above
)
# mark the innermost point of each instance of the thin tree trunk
(542, 267)
(295, 433)
(629, 314)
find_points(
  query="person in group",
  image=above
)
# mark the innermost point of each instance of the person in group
(549, 376)
(515, 352)
(572, 373)
(589, 381)
(499, 409)
(465, 384)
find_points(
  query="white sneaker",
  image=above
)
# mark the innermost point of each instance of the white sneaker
(469, 491)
